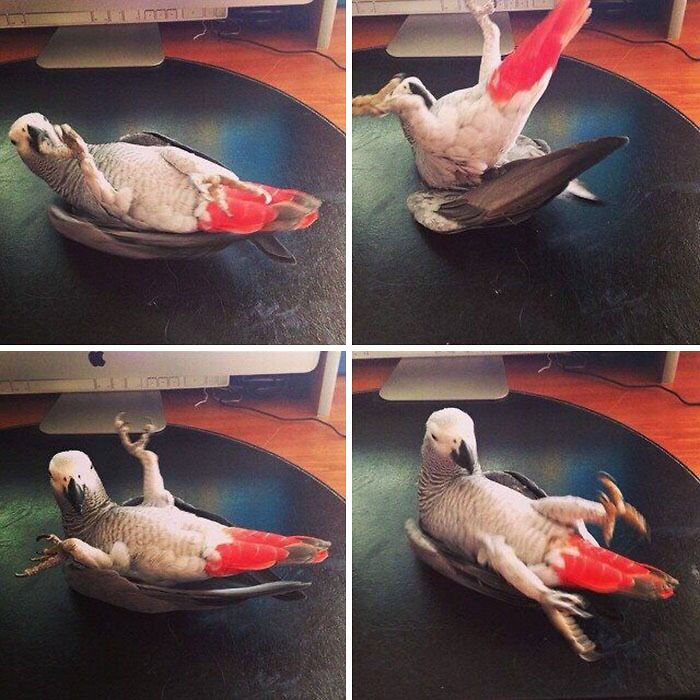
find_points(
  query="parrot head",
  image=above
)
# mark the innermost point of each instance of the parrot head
(32, 134)
(449, 434)
(72, 477)
(403, 93)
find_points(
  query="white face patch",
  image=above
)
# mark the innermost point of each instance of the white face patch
(33, 133)
(75, 465)
(446, 429)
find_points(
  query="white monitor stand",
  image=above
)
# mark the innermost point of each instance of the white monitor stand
(103, 46)
(446, 35)
(93, 413)
(451, 378)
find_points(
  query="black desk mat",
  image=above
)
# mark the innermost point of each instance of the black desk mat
(57, 291)
(58, 644)
(416, 634)
(627, 272)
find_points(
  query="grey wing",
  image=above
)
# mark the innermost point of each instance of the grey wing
(267, 243)
(463, 571)
(153, 138)
(526, 147)
(509, 194)
(110, 587)
(518, 482)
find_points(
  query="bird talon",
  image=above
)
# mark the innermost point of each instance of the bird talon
(614, 504)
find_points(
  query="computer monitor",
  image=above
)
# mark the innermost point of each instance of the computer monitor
(443, 28)
(97, 385)
(111, 33)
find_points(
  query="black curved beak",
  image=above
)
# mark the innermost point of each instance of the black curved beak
(36, 136)
(464, 458)
(75, 495)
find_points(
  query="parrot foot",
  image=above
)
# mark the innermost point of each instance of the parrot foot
(249, 187)
(564, 602)
(573, 634)
(615, 507)
(48, 558)
(132, 448)
(212, 188)
(480, 8)
(371, 104)
(73, 141)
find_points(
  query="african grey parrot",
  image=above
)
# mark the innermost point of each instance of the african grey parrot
(535, 545)
(148, 182)
(161, 541)
(468, 146)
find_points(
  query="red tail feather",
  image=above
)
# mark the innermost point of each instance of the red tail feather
(251, 550)
(600, 570)
(540, 50)
(248, 213)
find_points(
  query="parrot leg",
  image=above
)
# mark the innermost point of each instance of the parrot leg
(491, 52)
(369, 104)
(502, 558)
(212, 187)
(570, 510)
(72, 548)
(116, 202)
(615, 506)
(566, 624)
(154, 491)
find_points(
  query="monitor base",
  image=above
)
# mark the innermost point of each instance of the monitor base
(447, 379)
(423, 36)
(94, 413)
(103, 46)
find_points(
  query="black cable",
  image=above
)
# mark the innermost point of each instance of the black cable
(642, 41)
(287, 51)
(234, 404)
(630, 386)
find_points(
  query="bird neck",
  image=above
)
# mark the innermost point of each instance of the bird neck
(437, 472)
(63, 175)
(95, 505)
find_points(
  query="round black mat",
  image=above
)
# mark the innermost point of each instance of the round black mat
(56, 291)
(56, 643)
(627, 272)
(416, 634)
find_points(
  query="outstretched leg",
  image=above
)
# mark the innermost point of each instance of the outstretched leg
(210, 182)
(154, 491)
(371, 104)
(79, 551)
(491, 52)
(116, 202)
(502, 558)
(569, 510)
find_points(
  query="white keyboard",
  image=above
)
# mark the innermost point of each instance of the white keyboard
(118, 16)
(53, 386)
(403, 7)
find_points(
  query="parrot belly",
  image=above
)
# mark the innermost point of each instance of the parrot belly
(164, 199)
(163, 543)
(473, 507)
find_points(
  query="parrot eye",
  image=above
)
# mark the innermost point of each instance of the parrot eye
(432, 435)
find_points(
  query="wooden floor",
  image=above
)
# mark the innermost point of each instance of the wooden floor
(310, 78)
(661, 69)
(654, 413)
(310, 445)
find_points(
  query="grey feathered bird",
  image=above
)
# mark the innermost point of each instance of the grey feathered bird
(468, 145)
(535, 545)
(162, 541)
(148, 182)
